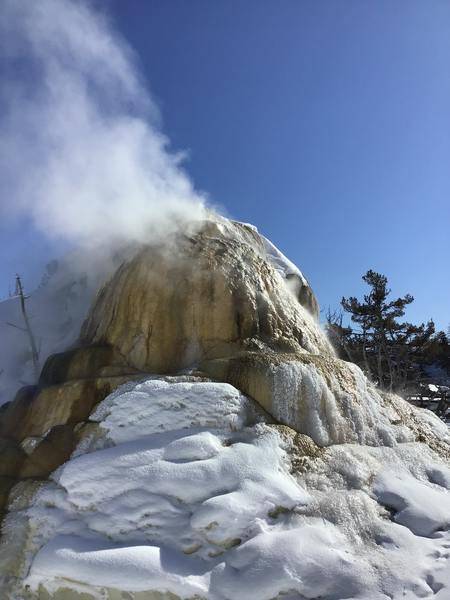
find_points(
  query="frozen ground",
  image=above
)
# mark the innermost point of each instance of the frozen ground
(188, 491)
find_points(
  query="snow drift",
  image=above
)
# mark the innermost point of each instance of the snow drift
(183, 489)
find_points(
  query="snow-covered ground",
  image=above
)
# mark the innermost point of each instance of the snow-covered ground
(188, 491)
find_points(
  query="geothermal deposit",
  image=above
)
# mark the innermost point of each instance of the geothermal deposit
(202, 440)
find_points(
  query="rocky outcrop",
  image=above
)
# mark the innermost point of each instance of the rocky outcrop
(227, 301)
(41, 427)
(187, 462)
(205, 296)
(224, 300)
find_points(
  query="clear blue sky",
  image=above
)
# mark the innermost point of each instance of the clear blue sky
(326, 124)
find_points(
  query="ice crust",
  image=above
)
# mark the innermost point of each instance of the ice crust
(333, 412)
(188, 491)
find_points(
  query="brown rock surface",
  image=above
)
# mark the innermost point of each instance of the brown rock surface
(54, 449)
(39, 428)
(14, 412)
(11, 457)
(206, 296)
(87, 362)
(65, 403)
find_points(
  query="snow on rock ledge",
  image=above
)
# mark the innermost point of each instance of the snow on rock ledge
(183, 468)
(182, 488)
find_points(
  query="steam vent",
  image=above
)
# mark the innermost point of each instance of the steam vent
(203, 441)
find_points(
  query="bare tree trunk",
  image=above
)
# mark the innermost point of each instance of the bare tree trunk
(348, 352)
(389, 363)
(379, 367)
(366, 362)
(28, 330)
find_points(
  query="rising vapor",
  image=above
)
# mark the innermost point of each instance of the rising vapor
(81, 148)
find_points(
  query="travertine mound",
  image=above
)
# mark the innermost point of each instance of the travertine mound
(181, 486)
(224, 301)
(205, 296)
(227, 301)
(199, 297)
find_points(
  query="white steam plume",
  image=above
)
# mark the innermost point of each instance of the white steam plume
(81, 150)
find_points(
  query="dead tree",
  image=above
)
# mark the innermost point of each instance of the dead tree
(27, 329)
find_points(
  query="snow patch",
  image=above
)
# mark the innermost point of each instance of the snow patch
(166, 404)
(420, 506)
(185, 474)
(313, 560)
(130, 568)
